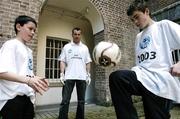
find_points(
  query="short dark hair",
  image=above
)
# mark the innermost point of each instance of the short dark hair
(137, 5)
(76, 28)
(23, 19)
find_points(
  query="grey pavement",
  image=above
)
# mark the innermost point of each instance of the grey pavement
(97, 112)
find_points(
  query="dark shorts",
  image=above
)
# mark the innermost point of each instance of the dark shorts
(19, 107)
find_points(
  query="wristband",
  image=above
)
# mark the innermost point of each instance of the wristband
(29, 78)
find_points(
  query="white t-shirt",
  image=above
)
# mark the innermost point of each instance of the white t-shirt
(76, 56)
(154, 59)
(17, 58)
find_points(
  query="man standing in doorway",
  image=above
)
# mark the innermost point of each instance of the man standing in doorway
(75, 69)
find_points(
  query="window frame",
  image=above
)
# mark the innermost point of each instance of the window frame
(54, 46)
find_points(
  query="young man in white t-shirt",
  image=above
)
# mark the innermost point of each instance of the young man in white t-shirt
(17, 81)
(153, 77)
(75, 70)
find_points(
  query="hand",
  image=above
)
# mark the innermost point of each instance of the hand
(88, 78)
(175, 69)
(62, 78)
(39, 84)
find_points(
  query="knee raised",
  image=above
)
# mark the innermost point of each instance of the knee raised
(116, 75)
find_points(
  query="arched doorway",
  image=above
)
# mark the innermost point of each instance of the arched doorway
(56, 20)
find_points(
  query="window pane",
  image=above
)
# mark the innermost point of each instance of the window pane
(51, 74)
(48, 43)
(55, 74)
(47, 63)
(176, 55)
(56, 64)
(47, 52)
(53, 50)
(47, 73)
(51, 63)
(51, 43)
(57, 43)
(59, 73)
(56, 53)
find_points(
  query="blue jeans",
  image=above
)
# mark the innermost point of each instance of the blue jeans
(66, 96)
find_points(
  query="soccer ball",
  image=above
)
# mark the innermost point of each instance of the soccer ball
(106, 54)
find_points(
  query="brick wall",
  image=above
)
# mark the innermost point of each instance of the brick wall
(100, 88)
(118, 29)
(159, 4)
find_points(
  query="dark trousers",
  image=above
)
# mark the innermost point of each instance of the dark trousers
(66, 96)
(18, 108)
(123, 84)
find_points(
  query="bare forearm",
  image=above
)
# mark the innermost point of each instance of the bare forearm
(62, 66)
(88, 67)
(13, 77)
(39, 84)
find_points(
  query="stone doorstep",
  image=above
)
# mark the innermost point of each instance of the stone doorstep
(55, 107)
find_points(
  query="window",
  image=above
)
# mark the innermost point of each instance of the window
(176, 56)
(53, 50)
(176, 53)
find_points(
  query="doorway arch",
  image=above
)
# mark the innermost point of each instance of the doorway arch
(56, 20)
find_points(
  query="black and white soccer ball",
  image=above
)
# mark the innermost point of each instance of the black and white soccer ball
(106, 54)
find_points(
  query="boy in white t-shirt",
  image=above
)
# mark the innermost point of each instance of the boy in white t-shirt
(17, 81)
(152, 77)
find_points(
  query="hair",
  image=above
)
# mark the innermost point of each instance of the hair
(137, 5)
(23, 19)
(76, 28)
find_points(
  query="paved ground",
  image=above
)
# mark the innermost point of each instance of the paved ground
(95, 112)
(92, 111)
(47, 115)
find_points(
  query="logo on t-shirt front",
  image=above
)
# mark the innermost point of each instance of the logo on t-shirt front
(30, 64)
(70, 51)
(145, 42)
(146, 54)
